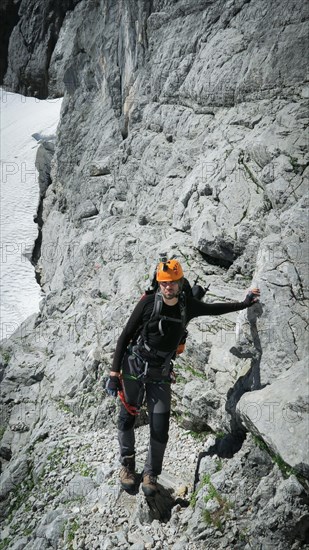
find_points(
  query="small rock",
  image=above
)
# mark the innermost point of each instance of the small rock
(142, 220)
(182, 491)
(138, 546)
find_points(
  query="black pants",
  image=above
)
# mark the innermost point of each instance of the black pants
(158, 399)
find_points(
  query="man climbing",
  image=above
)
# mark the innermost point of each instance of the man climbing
(142, 365)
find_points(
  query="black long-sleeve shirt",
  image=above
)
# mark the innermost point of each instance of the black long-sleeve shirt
(172, 331)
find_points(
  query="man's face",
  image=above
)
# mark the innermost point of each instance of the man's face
(169, 289)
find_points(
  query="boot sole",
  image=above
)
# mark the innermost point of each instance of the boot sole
(149, 492)
(127, 486)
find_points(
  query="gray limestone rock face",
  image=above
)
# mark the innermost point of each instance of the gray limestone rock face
(51, 527)
(201, 405)
(31, 44)
(183, 129)
(14, 475)
(8, 20)
(20, 544)
(279, 414)
(43, 163)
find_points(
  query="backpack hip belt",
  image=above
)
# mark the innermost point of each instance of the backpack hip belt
(155, 359)
(144, 366)
(156, 353)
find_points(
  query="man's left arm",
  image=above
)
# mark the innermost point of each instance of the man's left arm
(198, 308)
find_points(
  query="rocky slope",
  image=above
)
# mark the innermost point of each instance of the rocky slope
(183, 130)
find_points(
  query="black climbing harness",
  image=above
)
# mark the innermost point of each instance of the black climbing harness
(156, 316)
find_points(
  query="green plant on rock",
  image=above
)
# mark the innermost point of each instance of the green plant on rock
(260, 443)
(111, 482)
(83, 469)
(72, 528)
(285, 469)
(179, 416)
(199, 436)
(212, 492)
(295, 164)
(203, 482)
(19, 496)
(55, 457)
(194, 372)
(103, 296)
(188, 368)
(243, 535)
(6, 355)
(180, 379)
(63, 406)
(193, 499)
(14, 528)
(217, 517)
(213, 518)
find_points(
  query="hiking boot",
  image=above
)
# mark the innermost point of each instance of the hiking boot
(149, 485)
(127, 473)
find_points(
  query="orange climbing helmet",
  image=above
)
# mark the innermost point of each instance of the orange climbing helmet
(170, 270)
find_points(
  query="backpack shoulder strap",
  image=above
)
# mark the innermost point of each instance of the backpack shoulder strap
(156, 313)
(183, 308)
(157, 306)
(158, 302)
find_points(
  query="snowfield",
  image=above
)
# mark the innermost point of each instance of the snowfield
(20, 118)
